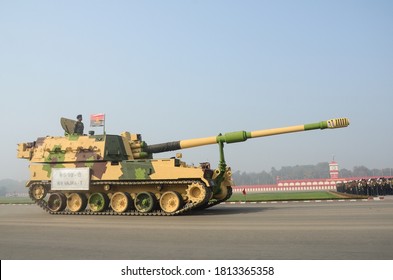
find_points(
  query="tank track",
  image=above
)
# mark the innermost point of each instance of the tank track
(188, 207)
(213, 203)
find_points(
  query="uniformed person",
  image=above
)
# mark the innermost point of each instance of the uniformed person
(78, 129)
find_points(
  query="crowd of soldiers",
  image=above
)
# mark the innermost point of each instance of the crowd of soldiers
(369, 187)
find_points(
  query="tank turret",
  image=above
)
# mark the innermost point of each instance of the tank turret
(117, 175)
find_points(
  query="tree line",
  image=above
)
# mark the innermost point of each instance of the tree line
(299, 172)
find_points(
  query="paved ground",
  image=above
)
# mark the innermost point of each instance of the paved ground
(299, 231)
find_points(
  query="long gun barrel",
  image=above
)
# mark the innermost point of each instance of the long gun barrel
(241, 136)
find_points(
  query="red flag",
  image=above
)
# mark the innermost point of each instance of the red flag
(244, 192)
(97, 120)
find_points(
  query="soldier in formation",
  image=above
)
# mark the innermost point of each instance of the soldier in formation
(369, 187)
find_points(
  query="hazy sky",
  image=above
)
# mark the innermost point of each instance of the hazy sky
(174, 70)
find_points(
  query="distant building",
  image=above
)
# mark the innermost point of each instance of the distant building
(333, 170)
(15, 194)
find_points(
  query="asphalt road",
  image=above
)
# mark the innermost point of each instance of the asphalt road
(358, 230)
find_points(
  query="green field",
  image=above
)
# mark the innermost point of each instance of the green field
(15, 200)
(280, 196)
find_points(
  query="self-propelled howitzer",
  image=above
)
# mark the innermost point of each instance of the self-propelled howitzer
(117, 175)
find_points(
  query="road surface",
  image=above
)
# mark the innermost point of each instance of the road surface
(357, 230)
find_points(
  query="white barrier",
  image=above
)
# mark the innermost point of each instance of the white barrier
(270, 188)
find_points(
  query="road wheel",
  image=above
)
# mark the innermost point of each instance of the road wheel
(171, 201)
(145, 202)
(38, 192)
(57, 202)
(121, 202)
(98, 202)
(76, 202)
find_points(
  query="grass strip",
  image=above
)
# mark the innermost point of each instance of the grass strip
(286, 196)
(15, 200)
(236, 197)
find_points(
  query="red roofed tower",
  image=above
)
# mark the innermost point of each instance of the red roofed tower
(333, 169)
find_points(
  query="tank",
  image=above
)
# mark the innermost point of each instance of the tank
(117, 174)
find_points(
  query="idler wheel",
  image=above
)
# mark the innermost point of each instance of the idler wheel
(121, 202)
(57, 202)
(38, 192)
(196, 192)
(171, 201)
(98, 202)
(225, 193)
(145, 202)
(76, 202)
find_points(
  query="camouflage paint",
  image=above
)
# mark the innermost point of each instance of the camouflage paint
(73, 137)
(48, 168)
(136, 170)
(56, 155)
(87, 156)
(40, 141)
(98, 168)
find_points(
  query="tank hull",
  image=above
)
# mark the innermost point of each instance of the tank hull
(169, 185)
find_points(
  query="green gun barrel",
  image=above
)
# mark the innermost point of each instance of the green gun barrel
(241, 136)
